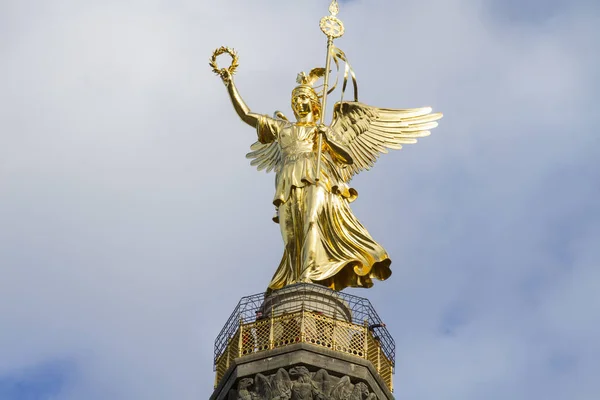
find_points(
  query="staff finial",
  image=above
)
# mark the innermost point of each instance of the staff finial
(334, 9)
(331, 25)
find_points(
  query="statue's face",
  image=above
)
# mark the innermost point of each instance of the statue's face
(301, 105)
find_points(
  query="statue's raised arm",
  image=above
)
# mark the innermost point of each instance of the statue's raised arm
(240, 105)
(226, 75)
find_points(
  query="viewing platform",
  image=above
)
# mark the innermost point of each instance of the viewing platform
(305, 316)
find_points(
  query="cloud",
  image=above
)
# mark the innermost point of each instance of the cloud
(131, 223)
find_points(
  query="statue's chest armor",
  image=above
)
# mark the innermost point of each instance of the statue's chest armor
(295, 139)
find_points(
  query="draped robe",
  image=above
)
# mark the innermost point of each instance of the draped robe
(324, 242)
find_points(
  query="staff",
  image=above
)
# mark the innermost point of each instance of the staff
(333, 28)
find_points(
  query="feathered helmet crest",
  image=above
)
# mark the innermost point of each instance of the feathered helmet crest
(314, 75)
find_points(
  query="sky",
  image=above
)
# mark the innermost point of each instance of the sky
(131, 222)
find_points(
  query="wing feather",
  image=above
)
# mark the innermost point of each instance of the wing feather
(358, 154)
(265, 156)
(374, 143)
(369, 131)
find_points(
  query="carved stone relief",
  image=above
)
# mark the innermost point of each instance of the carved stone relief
(300, 384)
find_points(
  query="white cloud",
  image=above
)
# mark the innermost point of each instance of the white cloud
(131, 223)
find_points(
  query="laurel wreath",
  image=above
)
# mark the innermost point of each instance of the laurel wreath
(222, 72)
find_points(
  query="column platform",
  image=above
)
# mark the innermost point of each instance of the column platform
(304, 342)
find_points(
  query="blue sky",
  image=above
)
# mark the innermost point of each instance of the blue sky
(42, 381)
(131, 222)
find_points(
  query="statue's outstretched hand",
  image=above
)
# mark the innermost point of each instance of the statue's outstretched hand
(224, 73)
(322, 129)
(338, 151)
(226, 76)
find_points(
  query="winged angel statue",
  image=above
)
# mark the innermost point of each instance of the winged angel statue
(324, 242)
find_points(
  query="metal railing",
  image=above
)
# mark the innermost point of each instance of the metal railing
(249, 307)
(312, 327)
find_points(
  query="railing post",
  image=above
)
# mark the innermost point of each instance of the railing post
(271, 333)
(226, 355)
(366, 340)
(241, 339)
(333, 334)
(302, 316)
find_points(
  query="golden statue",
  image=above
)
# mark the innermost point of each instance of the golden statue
(324, 242)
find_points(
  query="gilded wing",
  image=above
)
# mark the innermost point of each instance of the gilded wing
(265, 156)
(368, 131)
